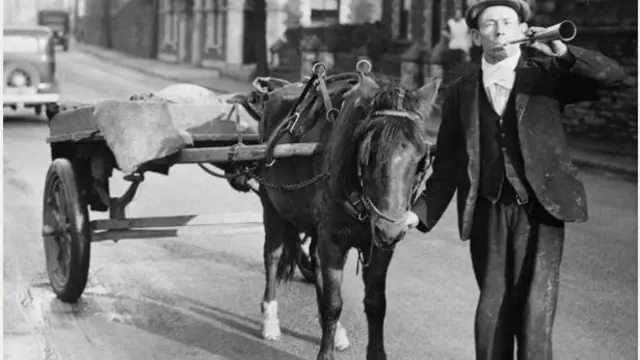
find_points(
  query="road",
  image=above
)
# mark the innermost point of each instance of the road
(197, 296)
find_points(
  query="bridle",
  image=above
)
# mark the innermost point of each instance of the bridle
(359, 204)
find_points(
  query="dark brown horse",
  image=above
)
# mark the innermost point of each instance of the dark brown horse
(357, 194)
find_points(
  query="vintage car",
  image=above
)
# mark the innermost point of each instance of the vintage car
(29, 68)
(58, 22)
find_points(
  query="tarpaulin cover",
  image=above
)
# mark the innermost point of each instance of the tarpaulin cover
(139, 131)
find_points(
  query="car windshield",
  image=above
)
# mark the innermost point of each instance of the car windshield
(19, 44)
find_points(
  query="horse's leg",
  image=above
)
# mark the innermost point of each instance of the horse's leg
(340, 340)
(277, 231)
(332, 257)
(375, 301)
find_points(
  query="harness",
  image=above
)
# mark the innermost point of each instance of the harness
(288, 126)
(357, 203)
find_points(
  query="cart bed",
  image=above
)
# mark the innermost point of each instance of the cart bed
(141, 132)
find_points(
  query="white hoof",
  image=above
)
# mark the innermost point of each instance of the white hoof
(270, 322)
(340, 340)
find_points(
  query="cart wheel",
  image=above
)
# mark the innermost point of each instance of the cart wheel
(66, 232)
(305, 265)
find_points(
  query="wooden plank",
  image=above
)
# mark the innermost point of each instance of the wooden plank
(116, 235)
(174, 221)
(243, 153)
(77, 136)
(94, 135)
(250, 138)
(72, 121)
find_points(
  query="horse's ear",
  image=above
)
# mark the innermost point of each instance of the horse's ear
(427, 95)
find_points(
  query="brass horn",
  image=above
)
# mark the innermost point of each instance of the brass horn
(565, 31)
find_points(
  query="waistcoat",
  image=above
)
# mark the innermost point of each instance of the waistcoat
(500, 153)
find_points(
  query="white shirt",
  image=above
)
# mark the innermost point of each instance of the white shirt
(498, 80)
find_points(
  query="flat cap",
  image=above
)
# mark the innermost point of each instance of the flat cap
(473, 12)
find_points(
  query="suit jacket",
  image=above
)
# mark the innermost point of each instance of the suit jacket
(543, 86)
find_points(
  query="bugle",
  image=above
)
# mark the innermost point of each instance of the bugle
(565, 31)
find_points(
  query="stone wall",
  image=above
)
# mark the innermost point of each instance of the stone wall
(608, 26)
(133, 29)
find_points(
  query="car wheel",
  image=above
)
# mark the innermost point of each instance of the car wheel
(30, 71)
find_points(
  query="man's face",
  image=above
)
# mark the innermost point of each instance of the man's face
(496, 26)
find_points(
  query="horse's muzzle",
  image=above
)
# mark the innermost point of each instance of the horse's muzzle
(388, 233)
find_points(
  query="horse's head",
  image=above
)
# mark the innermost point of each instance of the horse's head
(387, 130)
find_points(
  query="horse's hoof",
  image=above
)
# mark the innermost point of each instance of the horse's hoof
(271, 329)
(341, 340)
(270, 322)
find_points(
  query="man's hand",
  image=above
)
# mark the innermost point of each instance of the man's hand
(412, 220)
(551, 48)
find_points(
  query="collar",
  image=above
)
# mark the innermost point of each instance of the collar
(502, 72)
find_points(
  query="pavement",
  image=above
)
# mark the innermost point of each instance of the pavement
(197, 296)
(586, 153)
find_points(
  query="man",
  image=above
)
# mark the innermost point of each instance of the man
(501, 145)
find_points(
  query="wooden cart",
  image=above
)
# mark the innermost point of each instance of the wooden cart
(78, 179)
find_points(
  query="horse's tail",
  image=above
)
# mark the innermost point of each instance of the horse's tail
(289, 256)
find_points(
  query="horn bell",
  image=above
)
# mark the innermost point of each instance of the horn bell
(564, 31)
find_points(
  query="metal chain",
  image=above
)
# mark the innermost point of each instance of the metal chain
(246, 171)
(250, 171)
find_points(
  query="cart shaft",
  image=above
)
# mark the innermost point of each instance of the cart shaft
(163, 226)
(242, 153)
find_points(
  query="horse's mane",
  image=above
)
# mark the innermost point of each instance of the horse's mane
(378, 135)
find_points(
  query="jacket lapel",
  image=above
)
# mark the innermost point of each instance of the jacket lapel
(470, 116)
(522, 88)
(469, 113)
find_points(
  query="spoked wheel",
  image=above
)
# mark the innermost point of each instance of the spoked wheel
(305, 265)
(66, 232)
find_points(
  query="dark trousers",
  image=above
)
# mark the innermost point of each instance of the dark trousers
(516, 252)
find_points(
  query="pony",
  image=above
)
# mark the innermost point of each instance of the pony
(357, 193)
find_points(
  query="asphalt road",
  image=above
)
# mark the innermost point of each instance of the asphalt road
(198, 296)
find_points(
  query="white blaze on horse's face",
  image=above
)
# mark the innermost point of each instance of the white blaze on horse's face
(393, 194)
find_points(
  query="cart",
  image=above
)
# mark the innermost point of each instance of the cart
(83, 160)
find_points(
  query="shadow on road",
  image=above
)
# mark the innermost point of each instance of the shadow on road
(180, 319)
(200, 331)
(174, 317)
(224, 316)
